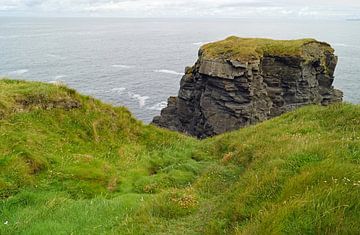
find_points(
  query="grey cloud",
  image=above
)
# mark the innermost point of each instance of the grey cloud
(33, 3)
(247, 4)
(183, 8)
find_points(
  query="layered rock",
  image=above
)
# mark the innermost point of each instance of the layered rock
(238, 82)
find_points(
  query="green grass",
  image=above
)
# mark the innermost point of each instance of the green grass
(245, 49)
(70, 164)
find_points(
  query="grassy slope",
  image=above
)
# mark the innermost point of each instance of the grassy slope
(79, 166)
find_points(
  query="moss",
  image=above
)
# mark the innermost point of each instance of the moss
(244, 49)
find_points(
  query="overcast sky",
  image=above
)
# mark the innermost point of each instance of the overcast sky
(184, 8)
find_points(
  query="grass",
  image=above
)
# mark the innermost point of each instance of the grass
(245, 49)
(70, 164)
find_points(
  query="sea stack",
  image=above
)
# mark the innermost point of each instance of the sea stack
(242, 81)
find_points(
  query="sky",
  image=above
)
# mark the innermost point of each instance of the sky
(303, 9)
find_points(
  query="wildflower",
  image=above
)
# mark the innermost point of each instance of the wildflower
(6, 222)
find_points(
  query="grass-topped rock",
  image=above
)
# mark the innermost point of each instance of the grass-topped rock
(94, 169)
(245, 49)
(241, 81)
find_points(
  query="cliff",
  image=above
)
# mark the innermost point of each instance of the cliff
(242, 81)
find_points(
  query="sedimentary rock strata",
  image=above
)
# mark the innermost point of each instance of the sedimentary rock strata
(238, 82)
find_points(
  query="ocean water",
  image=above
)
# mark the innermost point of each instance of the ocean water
(138, 63)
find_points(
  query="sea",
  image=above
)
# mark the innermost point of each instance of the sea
(138, 63)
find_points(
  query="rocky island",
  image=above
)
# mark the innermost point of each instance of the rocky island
(242, 81)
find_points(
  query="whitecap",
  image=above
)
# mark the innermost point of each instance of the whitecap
(59, 77)
(26, 35)
(158, 106)
(119, 90)
(18, 72)
(122, 66)
(139, 98)
(168, 72)
(198, 43)
(56, 56)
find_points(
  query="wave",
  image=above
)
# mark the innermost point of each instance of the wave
(119, 90)
(58, 80)
(26, 35)
(59, 77)
(122, 66)
(198, 43)
(168, 72)
(56, 56)
(139, 98)
(18, 72)
(158, 106)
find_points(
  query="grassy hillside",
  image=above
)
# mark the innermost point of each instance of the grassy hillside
(70, 164)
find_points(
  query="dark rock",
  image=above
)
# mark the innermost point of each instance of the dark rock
(223, 94)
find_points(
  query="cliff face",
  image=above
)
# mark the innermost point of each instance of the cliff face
(237, 82)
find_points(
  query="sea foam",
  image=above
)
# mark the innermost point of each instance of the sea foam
(139, 98)
(122, 66)
(56, 56)
(18, 72)
(168, 72)
(158, 106)
(119, 90)
(59, 77)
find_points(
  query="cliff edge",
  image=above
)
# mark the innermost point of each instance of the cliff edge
(242, 81)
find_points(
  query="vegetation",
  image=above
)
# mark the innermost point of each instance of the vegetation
(70, 164)
(244, 49)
